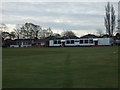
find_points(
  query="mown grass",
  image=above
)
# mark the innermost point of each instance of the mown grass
(69, 67)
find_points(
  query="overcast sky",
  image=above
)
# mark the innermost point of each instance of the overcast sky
(80, 17)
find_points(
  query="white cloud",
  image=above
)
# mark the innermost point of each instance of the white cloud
(60, 0)
(80, 17)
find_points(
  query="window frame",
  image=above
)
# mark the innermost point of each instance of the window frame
(82, 41)
(90, 41)
(72, 41)
(55, 41)
(68, 41)
(86, 42)
(59, 42)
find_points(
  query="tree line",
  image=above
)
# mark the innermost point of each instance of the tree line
(31, 31)
(26, 31)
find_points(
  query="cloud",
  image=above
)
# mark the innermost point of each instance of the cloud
(60, 1)
(57, 15)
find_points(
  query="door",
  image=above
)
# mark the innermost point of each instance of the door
(62, 44)
(96, 43)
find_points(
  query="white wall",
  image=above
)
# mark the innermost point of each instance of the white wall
(14, 45)
(104, 41)
(25, 45)
(101, 41)
(50, 42)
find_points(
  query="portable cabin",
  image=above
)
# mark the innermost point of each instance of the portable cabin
(103, 41)
(81, 42)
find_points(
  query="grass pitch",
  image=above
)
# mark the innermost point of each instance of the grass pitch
(69, 67)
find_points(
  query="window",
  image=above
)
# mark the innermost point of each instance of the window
(26, 43)
(76, 40)
(90, 41)
(81, 41)
(68, 42)
(18, 43)
(86, 41)
(72, 41)
(55, 42)
(59, 42)
(23, 43)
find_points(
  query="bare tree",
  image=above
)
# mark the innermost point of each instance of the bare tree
(46, 32)
(99, 32)
(18, 30)
(56, 35)
(3, 27)
(68, 34)
(5, 35)
(8, 35)
(12, 35)
(26, 31)
(109, 19)
(35, 31)
(112, 19)
(30, 30)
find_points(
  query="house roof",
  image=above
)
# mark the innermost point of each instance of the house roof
(70, 37)
(89, 36)
(64, 37)
(23, 39)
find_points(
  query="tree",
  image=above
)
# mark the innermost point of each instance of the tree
(35, 31)
(68, 34)
(8, 35)
(117, 35)
(5, 35)
(46, 32)
(18, 30)
(27, 30)
(3, 27)
(56, 35)
(30, 30)
(12, 35)
(109, 19)
(49, 32)
(100, 32)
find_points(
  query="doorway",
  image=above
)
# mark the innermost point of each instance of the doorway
(96, 43)
(62, 44)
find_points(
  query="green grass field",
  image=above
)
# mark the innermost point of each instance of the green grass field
(69, 67)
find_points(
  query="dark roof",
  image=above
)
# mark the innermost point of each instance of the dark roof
(89, 36)
(105, 35)
(64, 37)
(51, 38)
(23, 39)
(8, 40)
(40, 40)
(71, 37)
